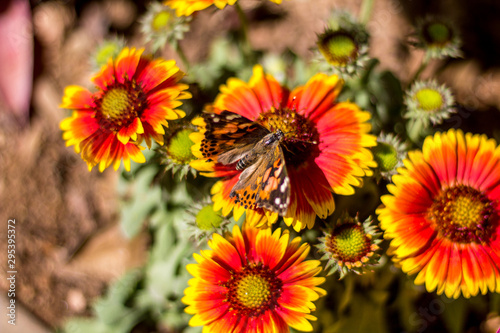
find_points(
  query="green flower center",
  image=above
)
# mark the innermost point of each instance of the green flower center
(338, 47)
(207, 219)
(463, 215)
(386, 156)
(301, 136)
(253, 290)
(348, 242)
(437, 33)
(179, 147)
(161, 21)
(429, 99)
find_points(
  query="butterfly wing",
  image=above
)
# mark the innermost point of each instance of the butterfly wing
(265, 184)
(229, 136)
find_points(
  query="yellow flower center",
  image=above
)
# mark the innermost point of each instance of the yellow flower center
(386, 156)
(301, 136)
(463, 215)
(115, 103)
(338, 47)
(429, 99)
(207, 219)
(161, 21)
(253, 290)
(179, 147)
(119, 106)
(348, 243)
(437, 33)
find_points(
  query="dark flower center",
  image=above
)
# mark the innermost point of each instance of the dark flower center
(463, 215)
(253, 290)
(437, 33)
(301, 136)
(119, 105)
(348, 243)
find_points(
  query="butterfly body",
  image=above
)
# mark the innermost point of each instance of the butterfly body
(256, 152)
(262, 147)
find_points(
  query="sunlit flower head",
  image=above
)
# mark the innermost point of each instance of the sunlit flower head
(253, 281)
(135, 98)
(351, 246)
(443, 214)
(439, 38)
(188, 7)
(324, 143)
(160, 25)
(429, 102)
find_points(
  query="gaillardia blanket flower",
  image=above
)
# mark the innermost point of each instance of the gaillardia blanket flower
(188, 7)
(135, 98)
(253, 281)
(443, 214)
(324, 145)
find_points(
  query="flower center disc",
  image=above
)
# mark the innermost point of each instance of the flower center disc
(463, 214)
(429, 99)
(349, 242)
(253, 290)
(301, 136)
(119, 107)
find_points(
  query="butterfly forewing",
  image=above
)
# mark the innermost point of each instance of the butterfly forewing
(229, 136)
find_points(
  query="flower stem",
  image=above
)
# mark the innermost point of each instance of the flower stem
(366, 11)
(422, 67)
(182, 55)
(245, 42)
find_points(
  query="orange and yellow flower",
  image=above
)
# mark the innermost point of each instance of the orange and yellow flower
(443, 214)
(326, 144)
(253, 281)
(188, 7)
(135, 98)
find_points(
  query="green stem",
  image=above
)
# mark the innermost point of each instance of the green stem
(366, 11)
(422, 67)
(182, 55)
(246, 47)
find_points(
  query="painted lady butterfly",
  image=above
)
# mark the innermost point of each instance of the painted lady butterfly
(234, 139)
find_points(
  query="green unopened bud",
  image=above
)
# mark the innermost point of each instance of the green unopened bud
(386, 156)
(350, 246)
(179, 147)
(438, 38)
(207, 219)
(106, 50)
(338, 47)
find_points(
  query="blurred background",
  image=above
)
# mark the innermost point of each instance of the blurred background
(69, 243)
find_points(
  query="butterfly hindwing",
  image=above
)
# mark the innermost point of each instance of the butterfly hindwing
(265, 184)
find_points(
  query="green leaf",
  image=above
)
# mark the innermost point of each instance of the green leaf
(145, 197)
